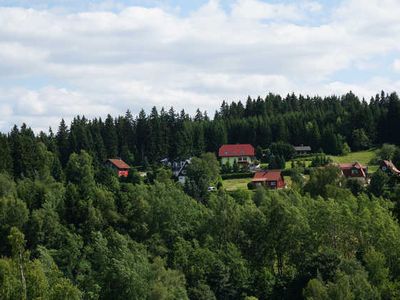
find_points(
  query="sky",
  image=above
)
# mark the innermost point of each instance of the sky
(63, 58)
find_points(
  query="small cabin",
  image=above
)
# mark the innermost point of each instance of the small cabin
(271, 179)
(120, 167)
(354, 170)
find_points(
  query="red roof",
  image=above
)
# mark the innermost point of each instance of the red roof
(347, 167)
(119, 163)
(356, 165)
(272, 175)
(235, 150)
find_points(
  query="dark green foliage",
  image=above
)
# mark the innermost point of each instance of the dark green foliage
(284, 150)
(360, 140)
(6, 162)
(276, 162)
(378, 183)
(320, 160)
(237, 175)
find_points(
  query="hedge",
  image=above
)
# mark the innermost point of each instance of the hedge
(237, 175)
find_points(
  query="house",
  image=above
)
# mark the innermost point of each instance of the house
(272, 179)
(242, 154)
(354, 170)
(120, 167)
(302, 150)
(178, 168)
(388, 167)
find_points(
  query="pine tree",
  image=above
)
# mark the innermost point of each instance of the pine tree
(62, 140)
(110, 137)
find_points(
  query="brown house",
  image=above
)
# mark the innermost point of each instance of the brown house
(354, 170)
(120, 167)
(272, 179)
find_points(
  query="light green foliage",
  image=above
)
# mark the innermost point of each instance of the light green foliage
(7, 186)
(378, 183)
(22, 278)
(13, 213)
(315, 290)
(360, 140)
(80, 171)
(386, 152)
(321, 179)
(202, 173)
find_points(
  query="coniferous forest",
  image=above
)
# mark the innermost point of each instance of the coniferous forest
(71, 229)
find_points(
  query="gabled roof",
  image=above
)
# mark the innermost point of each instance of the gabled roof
(357, 165)
(346, 167)
(119, 163)
(271, 175)
(234, 150)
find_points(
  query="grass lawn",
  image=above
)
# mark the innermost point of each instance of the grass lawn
(236, 184)
(362, 157)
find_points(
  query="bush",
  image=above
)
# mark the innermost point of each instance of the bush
(251, 186)
(320, 160)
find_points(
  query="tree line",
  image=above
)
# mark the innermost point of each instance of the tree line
(330, 124)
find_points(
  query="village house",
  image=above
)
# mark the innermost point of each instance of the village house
(119, 166)
(354, 170)
(243, 154)
(387, 166)
(272, 179)
(178, 168)
(302, 150)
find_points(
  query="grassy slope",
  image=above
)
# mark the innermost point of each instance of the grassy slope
(362, 157)
(236, 184)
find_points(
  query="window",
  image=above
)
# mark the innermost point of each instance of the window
(272, 183)
(354, 172)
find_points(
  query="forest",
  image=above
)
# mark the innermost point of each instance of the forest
(71, 229)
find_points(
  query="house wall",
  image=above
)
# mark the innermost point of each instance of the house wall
(232, 159)
(123, 173)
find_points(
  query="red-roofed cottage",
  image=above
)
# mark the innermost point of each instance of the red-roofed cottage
(272, 179)
(121, 167)
(354, 170)
(241, 153)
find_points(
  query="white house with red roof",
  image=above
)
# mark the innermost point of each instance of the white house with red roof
(241, 153)
(120, 167)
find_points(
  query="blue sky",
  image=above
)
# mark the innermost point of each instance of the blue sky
(62, 58)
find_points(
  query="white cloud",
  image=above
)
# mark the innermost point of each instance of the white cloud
(111, 57)
(396, 65)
